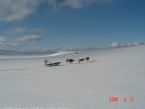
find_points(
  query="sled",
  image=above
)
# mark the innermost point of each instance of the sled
(53, 64)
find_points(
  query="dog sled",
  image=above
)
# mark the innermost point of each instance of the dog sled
(53, 64)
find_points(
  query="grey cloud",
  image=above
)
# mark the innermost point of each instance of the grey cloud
(11, 10)
(76, 3)
(116, 45)
(29, 38)
(2, 39)
(119, 45)
(19, 42)
(7, 44)
(135, 44)
(27, 30)
(18, 30)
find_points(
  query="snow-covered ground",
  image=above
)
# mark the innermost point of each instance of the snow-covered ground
(26, 82)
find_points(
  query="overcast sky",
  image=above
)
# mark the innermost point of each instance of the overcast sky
(72, 23)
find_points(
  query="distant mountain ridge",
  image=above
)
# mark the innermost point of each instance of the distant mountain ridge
(8, 52)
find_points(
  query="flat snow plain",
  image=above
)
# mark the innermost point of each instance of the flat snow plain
(26, 82)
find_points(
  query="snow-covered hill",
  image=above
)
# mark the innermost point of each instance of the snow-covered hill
(88, 85)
